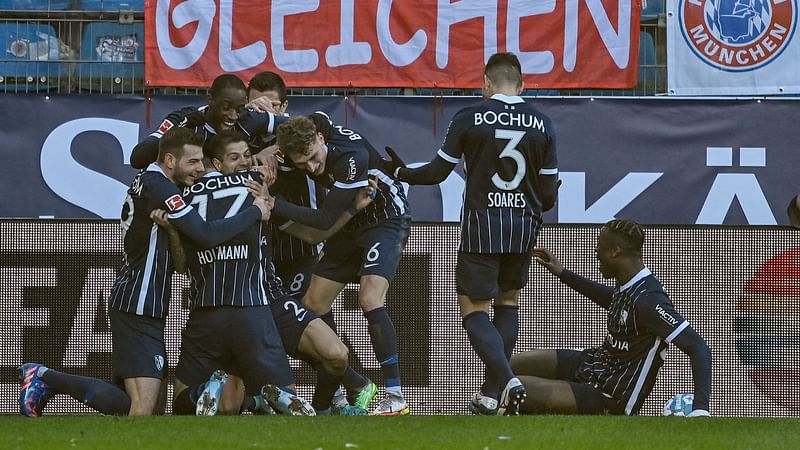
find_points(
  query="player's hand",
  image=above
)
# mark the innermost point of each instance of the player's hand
(366, 195)
(263, 104)
(394, 164)
(193, 120)
(258, 189)
(267, 164)
(159, 216)
(265, 204)
(548, 260)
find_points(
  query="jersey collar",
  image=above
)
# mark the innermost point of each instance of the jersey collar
(636, 278)
(510, 99)
(153, 167)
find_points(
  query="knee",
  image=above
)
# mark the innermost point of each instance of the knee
(336, 358)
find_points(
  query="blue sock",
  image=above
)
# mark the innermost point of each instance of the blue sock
(186, 402)
(488, 344)
(506, 321)
(99, 395)
(327, 383)
(384, 343)
(352, 379)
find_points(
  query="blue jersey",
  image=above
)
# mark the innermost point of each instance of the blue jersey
(255, 126)
(300, 189)
(641, 323)
(351, 160)
(142, 285)
(238, 272)
(506, 145)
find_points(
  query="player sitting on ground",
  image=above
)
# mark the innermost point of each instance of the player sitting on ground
(616, 377)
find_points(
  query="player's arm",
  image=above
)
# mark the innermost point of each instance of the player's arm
(314, 236)
(257, 123)
(446, 158)
(547, 180)
(596, 292)
(655, 313)
(338, 202)
(350, 173)
(176, 251)
(189, 223)
(146, 152)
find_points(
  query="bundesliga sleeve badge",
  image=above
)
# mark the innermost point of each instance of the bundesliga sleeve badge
(175, 203)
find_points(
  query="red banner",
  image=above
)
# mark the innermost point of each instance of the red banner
(381, 43)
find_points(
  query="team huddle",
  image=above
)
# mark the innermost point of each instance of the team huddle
(271, 216)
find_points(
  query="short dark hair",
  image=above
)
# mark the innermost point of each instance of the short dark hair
(226, 80)
(296, 135)
(174, 140)
(626, 234)
(215, 147)
(504, 68)
(268, 81)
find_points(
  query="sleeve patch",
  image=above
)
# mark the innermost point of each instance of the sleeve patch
(175, 203)
(166, 125)
(351, 169)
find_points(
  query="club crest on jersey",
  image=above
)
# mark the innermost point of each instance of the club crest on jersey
(175, 203)
(623, 317)
(158, 360)
(166, 125)
(737, 35)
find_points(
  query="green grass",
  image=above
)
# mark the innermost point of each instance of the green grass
(421, 432)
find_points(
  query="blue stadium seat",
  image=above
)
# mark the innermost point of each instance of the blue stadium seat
(111, 5)
(30, 58)
(651, 9)
(112, 56)
(35, 5)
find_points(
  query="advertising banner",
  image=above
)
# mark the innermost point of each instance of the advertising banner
(737, 287)
(659, 160)
(381, 43)
(733, 47)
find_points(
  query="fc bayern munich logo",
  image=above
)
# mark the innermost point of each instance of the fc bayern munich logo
(738, 35)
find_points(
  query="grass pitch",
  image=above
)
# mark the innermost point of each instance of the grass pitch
(412, 432)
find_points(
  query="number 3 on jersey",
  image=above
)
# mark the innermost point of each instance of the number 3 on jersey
(510, 151)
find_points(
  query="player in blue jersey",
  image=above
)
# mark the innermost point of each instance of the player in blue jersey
(141, 291)
(509, 152)
(296, 248)
(227, 108)
(232, 285)
(368, 248)
(304, 336)
(617, 376)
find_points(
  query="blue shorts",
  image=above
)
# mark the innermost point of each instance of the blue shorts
(291, 318)
(374, 250)
(296, 274)
(137, 344)
(589, 399)
(482, 276)
(240, 340)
